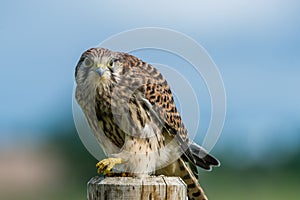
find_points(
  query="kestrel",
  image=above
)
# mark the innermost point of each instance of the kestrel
(129, 106)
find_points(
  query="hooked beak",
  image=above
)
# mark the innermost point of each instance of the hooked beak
(100, 71)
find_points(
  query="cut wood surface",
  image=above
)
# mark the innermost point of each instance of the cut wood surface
(146, 188)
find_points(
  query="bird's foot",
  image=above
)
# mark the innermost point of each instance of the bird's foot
(119, 174)
(107, 164)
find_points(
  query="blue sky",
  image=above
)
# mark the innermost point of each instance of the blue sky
(255, 44)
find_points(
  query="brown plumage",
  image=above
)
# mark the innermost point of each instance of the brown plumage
(130, 108)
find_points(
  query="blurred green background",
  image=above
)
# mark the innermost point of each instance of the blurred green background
(255, 44)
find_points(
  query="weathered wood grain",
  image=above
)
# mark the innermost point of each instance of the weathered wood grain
(128, 188)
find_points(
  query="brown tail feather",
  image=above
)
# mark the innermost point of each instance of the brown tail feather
(202, 158)
(180, 168)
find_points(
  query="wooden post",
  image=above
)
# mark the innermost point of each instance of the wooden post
(128, 188)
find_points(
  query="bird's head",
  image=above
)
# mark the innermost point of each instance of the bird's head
(98, 67)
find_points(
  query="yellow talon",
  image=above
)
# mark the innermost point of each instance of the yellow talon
(107, 164)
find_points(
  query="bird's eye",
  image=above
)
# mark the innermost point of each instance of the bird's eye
(88, 62)
(111, 62)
